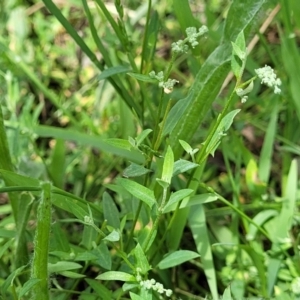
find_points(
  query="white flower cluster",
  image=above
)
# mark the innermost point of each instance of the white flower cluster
(269, 78)
(155, 286)
(295, 286)
(166, 85)
(192, 35)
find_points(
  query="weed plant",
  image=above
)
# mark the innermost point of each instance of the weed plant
(149, 150)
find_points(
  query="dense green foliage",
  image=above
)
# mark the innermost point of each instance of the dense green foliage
(141, 158)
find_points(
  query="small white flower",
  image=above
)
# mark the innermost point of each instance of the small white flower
(169, 293)
(179, 47)
(295, 286)
(269, 78)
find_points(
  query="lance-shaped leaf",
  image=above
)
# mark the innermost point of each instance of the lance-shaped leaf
(137, 190)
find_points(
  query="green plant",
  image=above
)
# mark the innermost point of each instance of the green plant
(99, 235)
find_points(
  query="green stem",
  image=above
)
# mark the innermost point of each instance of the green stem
(41, 245)
(156, 222)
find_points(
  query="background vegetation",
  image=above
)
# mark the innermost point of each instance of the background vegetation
(88, 141)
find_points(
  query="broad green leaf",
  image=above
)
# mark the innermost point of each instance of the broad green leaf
(135, 170)
(176, 258)
(181, 166)
(239, 56)
(135, 296)
(114, 236)
(61, 266)
(112, 71)
(141, 259)
(116, 275)
(240, 17)
(60, 239)
(110, 211)
(189, 113)
(137, 190)
(88, 237)
(227, 294)
(175, 198)
(103, 256)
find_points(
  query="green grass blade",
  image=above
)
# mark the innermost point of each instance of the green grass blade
(88, 140)
(91, 55)
(197, 223)
(285, 219)
(265, 158)
(184, 14)
(21, 220)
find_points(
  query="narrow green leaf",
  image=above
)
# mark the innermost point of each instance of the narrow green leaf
(141, 137)
(285, 218)
(110, 211)
(28, 286)
(197, 222)
(112, 71)
(224, 125)
(141, 259)
(57, 166)
(137, 190)
(176, 258)
(168, 166)
(184, 14)
(116, 275)
(118, 143)
(175, 198)
(265, 158)
(260, 219)
(70, 274)
(100, 289)
(181, 166)
(141, 77)
(135, 170)
(113, 146)
(186, 146)
(61, 266)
